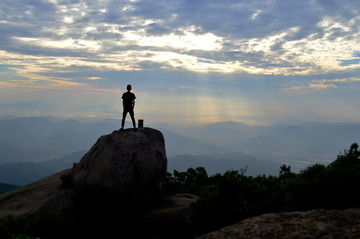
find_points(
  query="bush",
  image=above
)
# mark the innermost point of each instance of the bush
(10, 228)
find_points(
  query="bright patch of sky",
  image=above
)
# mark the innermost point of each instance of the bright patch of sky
(189, 62)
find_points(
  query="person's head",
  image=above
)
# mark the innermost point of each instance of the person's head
(128, 87)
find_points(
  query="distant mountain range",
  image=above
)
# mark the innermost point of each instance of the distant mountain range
(6, 187)
(177, 144)
(29, 145)
(36, 139)
(304, 142)
(21, 173)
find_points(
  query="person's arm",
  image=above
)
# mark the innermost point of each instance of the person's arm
(133, 103)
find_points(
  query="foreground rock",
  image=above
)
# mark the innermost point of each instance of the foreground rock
(126, 165)
(305, 225)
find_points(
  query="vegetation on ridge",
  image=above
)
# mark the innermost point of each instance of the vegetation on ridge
(233, 196)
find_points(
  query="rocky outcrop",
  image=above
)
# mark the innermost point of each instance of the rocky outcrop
(127, 165)
(295, 225)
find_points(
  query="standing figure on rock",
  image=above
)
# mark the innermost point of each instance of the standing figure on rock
(128, 105)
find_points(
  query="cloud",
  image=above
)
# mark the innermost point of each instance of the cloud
(322, 85)
(94, 78)
(183, 87)
(311, 86)
(27, 105)
(186, 41)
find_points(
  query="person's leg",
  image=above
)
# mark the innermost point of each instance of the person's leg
(123, 119)
(131, 112)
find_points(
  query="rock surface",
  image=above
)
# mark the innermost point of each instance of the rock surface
(129, 165)
(324, 224)
(29, 199)
(172, 220)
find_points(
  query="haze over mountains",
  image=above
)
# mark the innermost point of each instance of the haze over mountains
(28, 146)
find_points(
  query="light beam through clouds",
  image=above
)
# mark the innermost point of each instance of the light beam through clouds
(188, 61)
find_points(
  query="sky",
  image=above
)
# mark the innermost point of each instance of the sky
(189, 62)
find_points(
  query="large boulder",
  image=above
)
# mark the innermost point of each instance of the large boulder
(127, 166)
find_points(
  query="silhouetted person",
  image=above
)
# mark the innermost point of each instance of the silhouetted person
(128, 105)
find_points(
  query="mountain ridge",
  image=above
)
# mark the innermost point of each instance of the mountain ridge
(22, 173)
